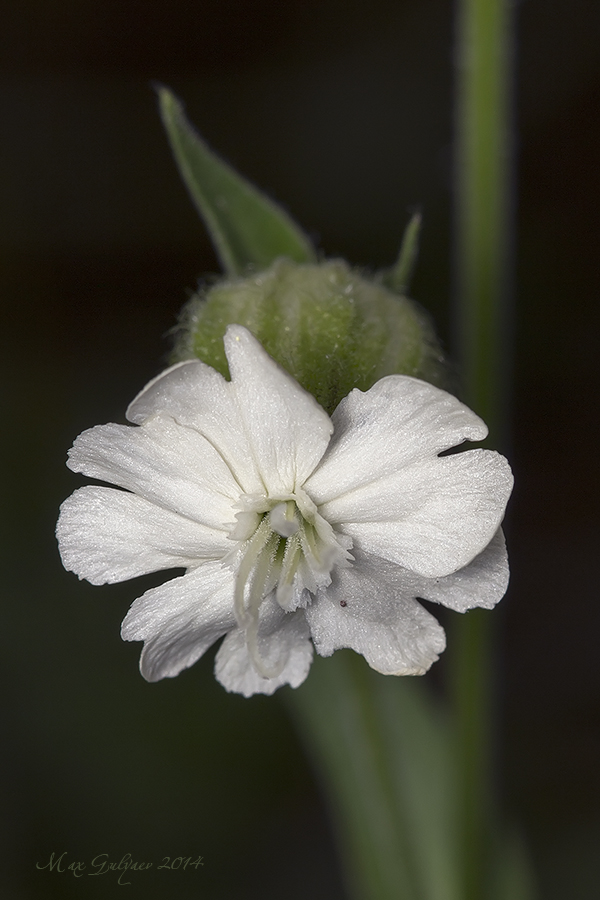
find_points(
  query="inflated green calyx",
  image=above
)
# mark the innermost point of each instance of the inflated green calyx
(325, 323)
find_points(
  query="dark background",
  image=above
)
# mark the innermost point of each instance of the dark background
(343, 112)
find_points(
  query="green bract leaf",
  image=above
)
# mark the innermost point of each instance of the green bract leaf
(248, 230)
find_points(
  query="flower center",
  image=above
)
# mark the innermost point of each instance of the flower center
(286, 548)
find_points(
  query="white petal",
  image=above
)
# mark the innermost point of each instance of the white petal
(181, 619)
(197, 396)
(164, 462)
(482, 583)
(379, 619)
(105, 535)
(433, 517)
(280, 636)
(287, 428)
(399, 421)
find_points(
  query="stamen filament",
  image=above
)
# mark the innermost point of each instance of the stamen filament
(289, 565)
(255, 600)
(310, 547)
(255, 547)
(257, 562)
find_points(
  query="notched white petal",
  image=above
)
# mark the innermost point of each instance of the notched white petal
(173, 391)
(396, 423)
(433, 517)
(287, 429)
(482, 583)
(105, 536)
(166, 463)
(197, 396)
(180, 620)
(283, 643)
(368, 609)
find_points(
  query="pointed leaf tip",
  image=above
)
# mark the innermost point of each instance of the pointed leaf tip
(248, 229)
(399, 276)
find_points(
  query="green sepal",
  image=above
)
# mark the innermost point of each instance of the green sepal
(329, 326)
(249, 231)
(398, 278)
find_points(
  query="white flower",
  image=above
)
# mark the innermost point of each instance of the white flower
(292, 527)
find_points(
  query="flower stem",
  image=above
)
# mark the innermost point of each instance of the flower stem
(484, 183)
(380, 748)
(483, 194)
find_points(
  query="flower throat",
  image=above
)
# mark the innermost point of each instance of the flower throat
(287, 548)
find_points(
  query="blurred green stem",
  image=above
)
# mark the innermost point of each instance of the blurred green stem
(483, 195)
(483, 181)
(382, 751)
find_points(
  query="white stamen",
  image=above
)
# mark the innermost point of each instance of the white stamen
(255, 600)
(249, 560)
(289, 565)
(286, 546)
(257, 561)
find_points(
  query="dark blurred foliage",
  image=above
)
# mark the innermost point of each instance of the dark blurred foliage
(341, 109)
